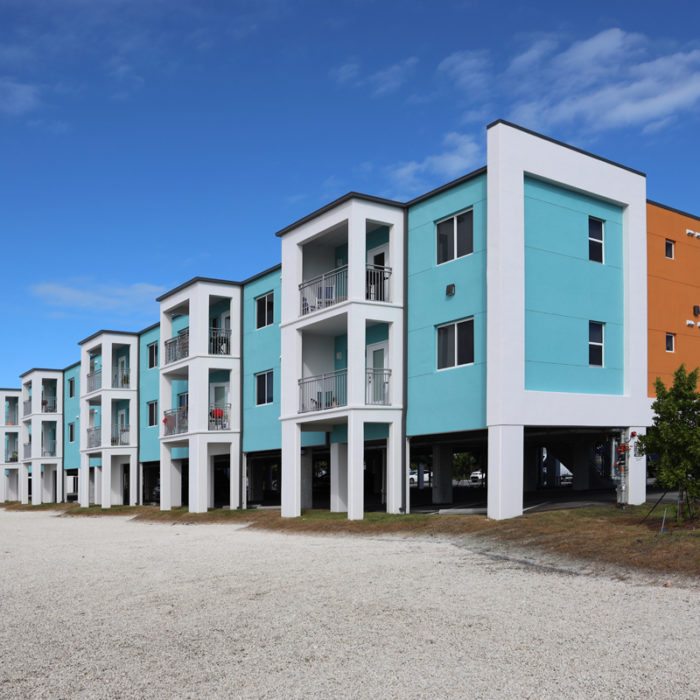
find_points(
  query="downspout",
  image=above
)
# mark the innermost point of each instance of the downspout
(404, 378)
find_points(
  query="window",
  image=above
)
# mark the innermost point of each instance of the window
(152, 413)
(670, 342)
(71, 388)
(455, 343)
(595, 239)
(595, 343)
(71, 432)
(263, 388)
(455, 237)
(152, 355)
(670, 249)
(264, 310)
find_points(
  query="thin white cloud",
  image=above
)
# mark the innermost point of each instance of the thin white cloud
(470, 70)
(345, 73)
(97, 297)
(392, 78)
(17, 98)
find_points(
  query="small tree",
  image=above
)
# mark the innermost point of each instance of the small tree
(674, 438)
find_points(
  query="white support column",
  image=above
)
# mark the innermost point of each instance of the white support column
(291, 470)
(98, 473)
(307, 499)
(24, 484)
(236, 476)
(133, 479)
(243, 477)
(394, 467)
(106, 481)
(357, 361)
(199, 474)
(505, 471)
(339, 477)
(4, 485)
(37, 483)
(356, 467)
(176, 483)
(60, 483)
(407, 486)
(46, 484)
(166, 477)
(637, 466)
(442, 474)
(139, 486)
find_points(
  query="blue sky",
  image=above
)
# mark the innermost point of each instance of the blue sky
(144, 142)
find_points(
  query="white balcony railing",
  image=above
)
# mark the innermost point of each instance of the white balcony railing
(177, 348)
(27, 407)
(11, 416)
(48, 405)
(377, 387)
(175, 421)
(94, 380)
(323, 391)
(48, 448)
(94, 437)
(27, 450)
(219, 341)
(120, 435)
(378, 283)
(323, 291)
(120, 378)
(11, 457)
(219, 416)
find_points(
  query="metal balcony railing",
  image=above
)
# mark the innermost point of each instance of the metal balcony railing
(12, 457)
(120, 435)
(219, 341)
(94, 437)
(27, 451)
(323, 391)
(11, 417)
(48, 405)
(94, 380)
(48, 448)
(219, 416)
(378, 283)
(27, 407)
(175, 421)
(120, 378)
(323, 291)
(377, 387)
(177, 348)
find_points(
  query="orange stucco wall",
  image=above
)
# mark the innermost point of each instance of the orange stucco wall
(673, 291)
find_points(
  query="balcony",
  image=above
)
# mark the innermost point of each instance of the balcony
(323, 391)
(11, 416)
(94, 380)
(120, 379)
(27, 451)
(377, 387)
(175, 421)
(48, 449)
(120, 435)
(324, 291)
(219, 341)
(12, 458)
(94, 437)
(48, 405)
(219, 416)
(177, 348)
(378, 287)
(27, 407)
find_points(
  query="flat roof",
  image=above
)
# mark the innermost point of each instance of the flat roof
(674, 210)
(40, 369)
(194, 280)
(94, 335)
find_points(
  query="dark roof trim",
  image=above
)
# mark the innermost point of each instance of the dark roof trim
(94, 335)
(565, 145)
(194, 280)
(150, 328)
(449, 185)
(39, 369)
(675, 211)
(263, 273)
(75, 364)
(336, 203)
(7, 389)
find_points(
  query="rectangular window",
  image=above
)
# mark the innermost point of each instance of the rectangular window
(455, 237)
(71, 388)
(670, 249)
(152, 413)
(595, 239)
(264, 310)
(595, 343)
(71, 432)
(455, 344)
(670, 342)
(263, 388)
(152, 355)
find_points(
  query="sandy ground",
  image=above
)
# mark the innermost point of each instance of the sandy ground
(106, 607)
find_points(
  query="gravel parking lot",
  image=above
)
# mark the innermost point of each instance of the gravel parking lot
(107, 607)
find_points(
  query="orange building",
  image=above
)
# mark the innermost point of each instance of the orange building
(673, 269)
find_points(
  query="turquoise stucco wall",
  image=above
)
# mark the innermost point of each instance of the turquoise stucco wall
(71, 411)
(564, 290)
(451, 399)
(149, 445)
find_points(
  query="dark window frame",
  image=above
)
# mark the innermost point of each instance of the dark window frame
(264, 310)
(445, 254)
(459, 334)
(152, 355)
(71, 387)
(152, 413)
(71, 432)
(264, 389)
(672, 338)
(596, 347)
(672, 245)
(596, 246)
